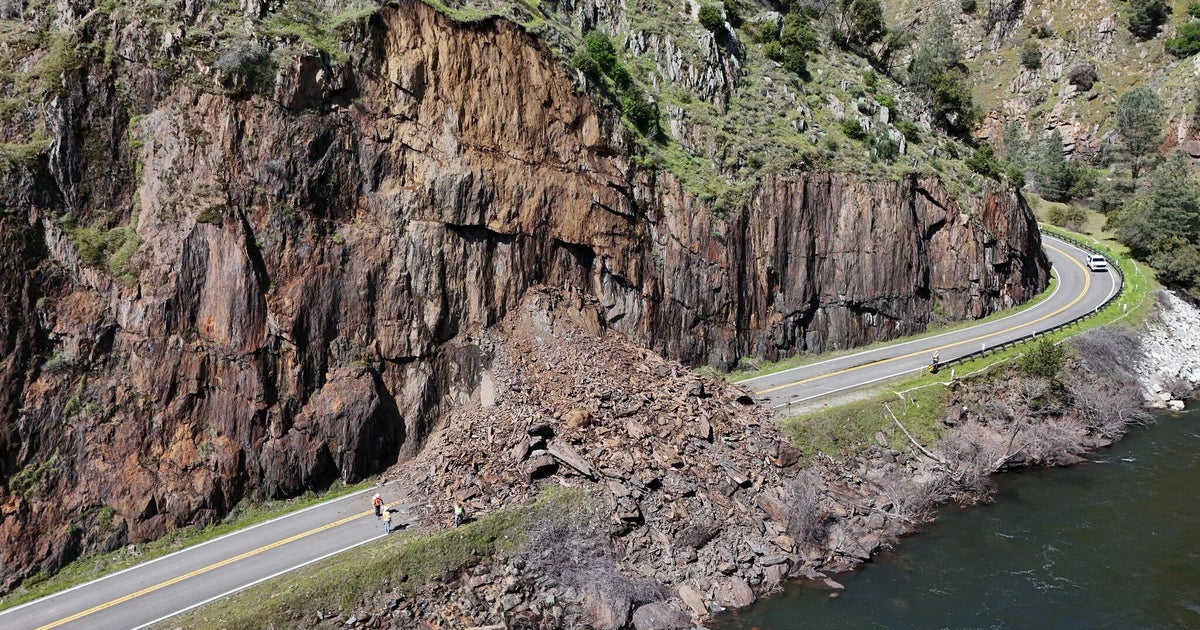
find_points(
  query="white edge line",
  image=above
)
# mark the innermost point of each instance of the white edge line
(842, 389)
(797, 401)
(191, 548)
(1057, 286)
(258, 581)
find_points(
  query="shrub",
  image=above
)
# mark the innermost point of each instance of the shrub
(1041, 30)
(711, 17)
(864, 24)
(884, 147)
(1031, 55)
(911, 132)
(805, 517)
(1082, 76)
(642, 113)
(853, 129)
(983, 161)
(1070, 216)
(1193, 10)
(763, 31)
(796, 61)
(1044, 359)
(773, 51)
(1187, 41)
(968, 6)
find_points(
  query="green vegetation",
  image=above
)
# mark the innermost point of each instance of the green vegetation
(1147, 16)
(1139, 119)
(862, 26)
(1055, 177)
(797, 40)
(937, 71)
(28, 481)
(711, 17)
(1043, 359)
(1162, 224)
(984, 161)
(110, 249)
(599, 62)
(91, 567)
(1186, 42)
(337, 583)
(846, 429)
(16, 154)
(1031, 55)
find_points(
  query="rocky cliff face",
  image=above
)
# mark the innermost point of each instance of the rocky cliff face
(209, 295)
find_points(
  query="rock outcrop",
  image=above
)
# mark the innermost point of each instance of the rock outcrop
(214, 295)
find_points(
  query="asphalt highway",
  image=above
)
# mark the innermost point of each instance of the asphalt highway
(1077, 292)
(164, 587)
(161, 588)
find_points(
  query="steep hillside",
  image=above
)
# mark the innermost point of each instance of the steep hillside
(248, 249)
(1047, 65)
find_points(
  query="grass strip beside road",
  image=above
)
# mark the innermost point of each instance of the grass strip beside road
(96, 566)
(405, 561)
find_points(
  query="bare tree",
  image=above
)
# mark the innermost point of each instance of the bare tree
(910, 500)
(571, 550)
(974, 451)
(1108, 408)
(805, 516)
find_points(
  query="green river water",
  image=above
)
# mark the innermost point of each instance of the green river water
(1110, 544)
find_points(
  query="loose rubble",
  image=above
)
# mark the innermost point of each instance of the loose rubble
(699, 503)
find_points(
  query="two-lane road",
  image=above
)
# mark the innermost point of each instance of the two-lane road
(160, 588)
(1077, 292)
(167, 586)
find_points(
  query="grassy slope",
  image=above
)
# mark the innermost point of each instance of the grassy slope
(406, 561)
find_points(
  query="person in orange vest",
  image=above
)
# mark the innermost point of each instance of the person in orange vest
(378, 503)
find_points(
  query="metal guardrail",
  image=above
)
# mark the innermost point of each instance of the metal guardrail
(1113, 267)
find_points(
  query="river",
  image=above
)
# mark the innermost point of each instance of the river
(1110, 544)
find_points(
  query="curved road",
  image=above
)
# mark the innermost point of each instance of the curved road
(156, 590)
(1077, 292)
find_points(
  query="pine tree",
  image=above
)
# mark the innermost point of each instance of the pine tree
(1140, 122)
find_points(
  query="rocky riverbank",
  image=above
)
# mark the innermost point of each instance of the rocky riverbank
(695, 501)
(1170, 367)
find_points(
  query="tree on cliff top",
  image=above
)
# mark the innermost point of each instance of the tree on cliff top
(938, 73)
(1139, 122)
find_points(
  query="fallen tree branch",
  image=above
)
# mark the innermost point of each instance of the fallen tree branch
(911, 439)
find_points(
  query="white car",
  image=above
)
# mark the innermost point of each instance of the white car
(1096, 262)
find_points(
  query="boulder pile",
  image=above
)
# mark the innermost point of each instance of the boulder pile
(692, 487)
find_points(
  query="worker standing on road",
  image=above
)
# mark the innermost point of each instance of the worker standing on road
(387, 521)
(936, 358)
(378, 503)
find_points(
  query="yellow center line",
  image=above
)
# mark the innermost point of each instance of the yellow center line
(217, 565)
(1087, 284)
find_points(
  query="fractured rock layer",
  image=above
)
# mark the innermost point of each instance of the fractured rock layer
(302, 264)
